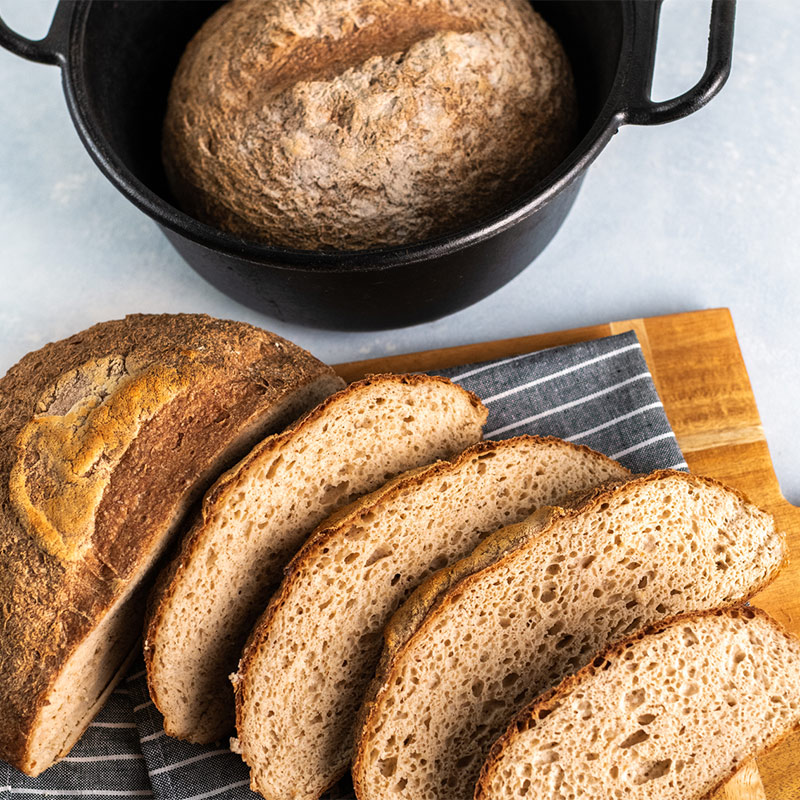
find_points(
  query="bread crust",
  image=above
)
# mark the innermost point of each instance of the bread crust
(357, 123)
(168, 582)
(54, 595)
(546, 701)
(420, 612)
(346, 517)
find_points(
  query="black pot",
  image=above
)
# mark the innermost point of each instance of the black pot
(117, 60)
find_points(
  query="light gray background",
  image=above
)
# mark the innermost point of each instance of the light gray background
(700, 213)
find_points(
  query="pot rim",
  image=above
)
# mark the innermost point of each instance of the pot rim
(607, 122)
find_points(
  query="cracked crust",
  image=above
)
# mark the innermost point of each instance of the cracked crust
(65, 460)
(129, 419)
(356, 123)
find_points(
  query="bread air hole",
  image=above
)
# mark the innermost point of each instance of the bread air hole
(379, 553)
(388, 766)
(635, 738)
(634, 699)
(652, 771)
(689, 637)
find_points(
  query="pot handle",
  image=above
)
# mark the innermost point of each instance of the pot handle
(50, 50)
(639, 108)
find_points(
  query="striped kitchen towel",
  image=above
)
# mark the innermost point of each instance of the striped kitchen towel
(597, 393)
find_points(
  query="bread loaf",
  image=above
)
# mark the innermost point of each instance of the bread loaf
(536, 602)
(310, 658)
(670, 714)
(256, 517)
(355, 123)
(105, 439)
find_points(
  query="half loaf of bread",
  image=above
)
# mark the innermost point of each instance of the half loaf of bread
(536, 602)
(105, 439)
(256, 517)
(669, 714)
(313, 653)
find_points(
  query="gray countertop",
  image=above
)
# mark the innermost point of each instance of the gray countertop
(700, 213)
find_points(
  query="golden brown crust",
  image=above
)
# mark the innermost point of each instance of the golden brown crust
(432, 597)
(547, 701)
(241, 377)
(167, 583)
(64, 461)
(355, 123)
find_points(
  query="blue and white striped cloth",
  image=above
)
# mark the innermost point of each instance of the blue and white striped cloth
(597, 393)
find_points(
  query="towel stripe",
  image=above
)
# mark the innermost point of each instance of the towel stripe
(109, 757)
(614, 421)
(186, 761)
(651, 440)
(571, 404)
(559, 374)
(120, 725)
(81, 792)
(218, 791)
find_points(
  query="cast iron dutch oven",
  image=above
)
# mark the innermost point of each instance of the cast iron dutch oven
(117, 60)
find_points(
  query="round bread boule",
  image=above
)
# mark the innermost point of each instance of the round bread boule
(347, 124)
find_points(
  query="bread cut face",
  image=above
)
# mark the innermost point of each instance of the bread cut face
(670, 714)
(256, 517)
(106, 438)
(313, 653)
(356, 123)
(538, 601)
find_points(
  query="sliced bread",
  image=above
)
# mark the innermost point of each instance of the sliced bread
(256, 517)
(308, 661)
(669, 714)
(105, 440)
(537, 601)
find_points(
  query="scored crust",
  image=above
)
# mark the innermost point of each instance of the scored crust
(356, 123)
(233, 383)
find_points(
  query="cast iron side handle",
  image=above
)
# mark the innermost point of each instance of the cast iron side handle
(50, 50)
(639, 108)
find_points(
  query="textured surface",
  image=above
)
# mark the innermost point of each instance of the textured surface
(537, 601)
(354, 123)
(715, 415)
(313, 652)
(180, 770)
(136, 417)
(668, 715)
(256, 517)
(696, 214)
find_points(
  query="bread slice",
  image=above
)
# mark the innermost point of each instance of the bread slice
(256, 517)
(669, 714)
(105, 440)
(536, 602)
(311, 656)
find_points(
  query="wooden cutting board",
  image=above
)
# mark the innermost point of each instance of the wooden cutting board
(700, 374)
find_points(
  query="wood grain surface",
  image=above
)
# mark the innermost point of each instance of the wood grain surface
(700, 374)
